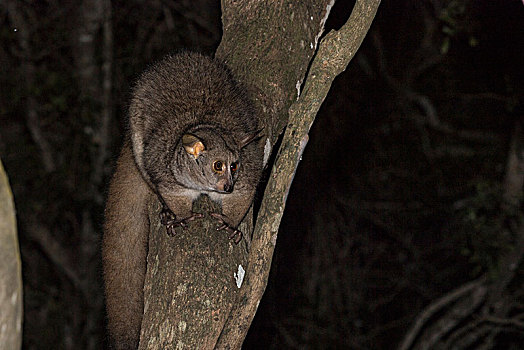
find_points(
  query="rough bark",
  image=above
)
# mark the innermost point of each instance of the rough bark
(10, 271)
(268, 46)
(191, 296)
(190, 284)
(332, 58)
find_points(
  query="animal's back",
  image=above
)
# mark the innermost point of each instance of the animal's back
(189, 89)
(180, 93)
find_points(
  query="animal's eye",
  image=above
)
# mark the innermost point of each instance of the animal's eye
(234, 167)
(217, 166)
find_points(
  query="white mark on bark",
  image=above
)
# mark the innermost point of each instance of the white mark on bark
(274, 239)
(328, 10)
(323, 21)
(239, 276)
(297, 86)
(267, 151)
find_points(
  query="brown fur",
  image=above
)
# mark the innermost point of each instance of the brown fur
(183, 94)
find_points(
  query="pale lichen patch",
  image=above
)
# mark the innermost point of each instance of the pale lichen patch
(239, 276)
(181, 288)
(182, 326)
(267, 151)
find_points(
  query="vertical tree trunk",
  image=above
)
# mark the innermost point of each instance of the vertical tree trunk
(268, 46)
(278, 38)
(336, 49)
(10, 271)
(190, 284)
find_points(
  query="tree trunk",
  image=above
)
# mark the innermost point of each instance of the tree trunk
(10, 271)
(195, 296)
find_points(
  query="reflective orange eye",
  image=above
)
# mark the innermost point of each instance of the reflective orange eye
(233, 167)
(217, 166)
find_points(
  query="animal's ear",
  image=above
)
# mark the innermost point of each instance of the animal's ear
(192, 145)
(251, 137)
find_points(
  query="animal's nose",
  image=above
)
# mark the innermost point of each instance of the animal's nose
(228, 188)
(224, 186)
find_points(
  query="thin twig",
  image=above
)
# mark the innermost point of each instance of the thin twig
(435, 307)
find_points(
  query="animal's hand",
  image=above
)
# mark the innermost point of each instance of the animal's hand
(233, 232)
(169, 220)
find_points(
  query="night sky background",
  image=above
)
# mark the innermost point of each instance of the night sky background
(398, 200)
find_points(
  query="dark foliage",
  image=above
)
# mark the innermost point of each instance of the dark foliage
(398, 199)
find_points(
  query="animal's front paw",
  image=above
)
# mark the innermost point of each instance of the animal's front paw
(168, 219)
(233, 232)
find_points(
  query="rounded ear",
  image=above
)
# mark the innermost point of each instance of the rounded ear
(250, 138)
(192, 145)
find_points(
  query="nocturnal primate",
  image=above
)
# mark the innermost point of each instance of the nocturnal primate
(192, 131)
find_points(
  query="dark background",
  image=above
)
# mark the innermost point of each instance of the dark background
(398, 198)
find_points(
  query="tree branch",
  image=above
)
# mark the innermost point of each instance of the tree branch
(268, 60)
(335, 52)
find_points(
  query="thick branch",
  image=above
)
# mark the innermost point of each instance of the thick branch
(268, 46)
(190, 283)
(335, 52)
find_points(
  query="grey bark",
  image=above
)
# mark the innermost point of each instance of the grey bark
(10, 271)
